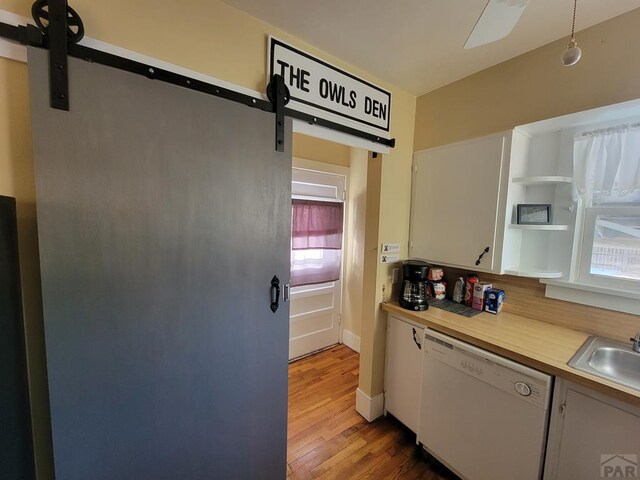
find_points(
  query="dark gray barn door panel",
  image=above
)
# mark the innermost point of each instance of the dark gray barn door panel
(163, 214)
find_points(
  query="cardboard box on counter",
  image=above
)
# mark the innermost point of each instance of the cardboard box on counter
(479, 290)
(494, 300)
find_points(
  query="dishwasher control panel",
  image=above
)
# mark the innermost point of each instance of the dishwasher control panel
(471, 367)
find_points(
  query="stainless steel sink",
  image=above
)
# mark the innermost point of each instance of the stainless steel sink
(609, 359)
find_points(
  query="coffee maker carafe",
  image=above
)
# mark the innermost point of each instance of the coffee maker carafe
(413, 294)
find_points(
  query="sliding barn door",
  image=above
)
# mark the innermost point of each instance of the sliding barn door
(163, 215)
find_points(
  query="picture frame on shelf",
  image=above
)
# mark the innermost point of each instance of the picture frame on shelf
(534, 214)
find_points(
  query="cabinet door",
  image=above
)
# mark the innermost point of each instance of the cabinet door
(596, 437)
(403, 371)
(456, 206)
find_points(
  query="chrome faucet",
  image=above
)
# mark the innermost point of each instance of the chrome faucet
(636, 342)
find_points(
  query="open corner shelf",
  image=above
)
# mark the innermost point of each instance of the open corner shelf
(532, 273)
(539, 227)
(542, 180)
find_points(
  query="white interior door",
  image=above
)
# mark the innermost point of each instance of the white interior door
(315, 309)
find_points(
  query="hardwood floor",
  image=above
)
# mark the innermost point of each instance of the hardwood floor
(327, 438)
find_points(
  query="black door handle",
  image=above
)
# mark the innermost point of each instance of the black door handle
(415, 339)
(486, 250)
(275, 293)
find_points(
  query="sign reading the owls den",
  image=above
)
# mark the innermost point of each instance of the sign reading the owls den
(318, 88)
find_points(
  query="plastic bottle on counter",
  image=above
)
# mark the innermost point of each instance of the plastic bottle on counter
(458, 290)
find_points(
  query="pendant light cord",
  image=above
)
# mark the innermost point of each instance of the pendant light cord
(573, 24)
(572, 54)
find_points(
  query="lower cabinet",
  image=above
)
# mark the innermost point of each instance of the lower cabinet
(403, 370)
(591, 436)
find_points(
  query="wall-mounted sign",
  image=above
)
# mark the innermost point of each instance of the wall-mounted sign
(321, 89)
(389, 257)
(390, 248)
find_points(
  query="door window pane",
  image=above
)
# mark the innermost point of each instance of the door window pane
(316, 241)
(313, 266)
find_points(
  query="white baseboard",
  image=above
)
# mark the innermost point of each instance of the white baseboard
(369, 408)
(351, 340)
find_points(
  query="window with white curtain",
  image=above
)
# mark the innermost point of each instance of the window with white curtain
(607, 188)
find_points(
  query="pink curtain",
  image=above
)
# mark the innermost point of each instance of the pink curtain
(316, 242)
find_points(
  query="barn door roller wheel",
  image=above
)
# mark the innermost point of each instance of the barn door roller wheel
(61, 25)
(75, 27)
(278, 94)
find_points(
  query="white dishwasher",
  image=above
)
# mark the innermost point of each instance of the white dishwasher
(483, 416)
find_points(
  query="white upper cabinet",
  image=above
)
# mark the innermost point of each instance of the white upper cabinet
(540, 173)
(465, 197)
(458, 203)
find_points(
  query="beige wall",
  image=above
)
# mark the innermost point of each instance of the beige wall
(373, 334)
(320, 150)
(393, 204)
(215, 39)
(534, 86)
(354, 259)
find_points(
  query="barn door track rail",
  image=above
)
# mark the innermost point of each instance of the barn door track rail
(59, 28)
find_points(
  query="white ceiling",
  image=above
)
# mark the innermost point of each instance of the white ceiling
(418, 44)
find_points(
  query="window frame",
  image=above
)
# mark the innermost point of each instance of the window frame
(598, 291)
(584, 275)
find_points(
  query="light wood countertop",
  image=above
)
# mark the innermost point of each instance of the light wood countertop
(543, 346)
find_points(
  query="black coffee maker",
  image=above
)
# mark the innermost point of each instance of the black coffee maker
(413, 294)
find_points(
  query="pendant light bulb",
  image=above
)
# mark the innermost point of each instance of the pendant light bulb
(572, 54)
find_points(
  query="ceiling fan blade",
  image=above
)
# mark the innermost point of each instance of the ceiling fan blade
(497, 20)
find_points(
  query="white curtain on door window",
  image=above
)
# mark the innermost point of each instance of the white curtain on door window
(606, 164)
(316, 241)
